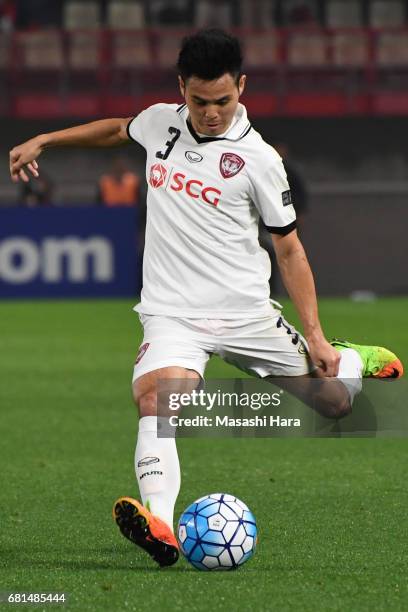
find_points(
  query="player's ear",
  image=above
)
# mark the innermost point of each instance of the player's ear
(241, 83)
(182, 86)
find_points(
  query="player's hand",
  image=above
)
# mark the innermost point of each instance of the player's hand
(23, 160)
(324, 355)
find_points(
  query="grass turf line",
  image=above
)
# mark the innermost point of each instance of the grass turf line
(331, 513)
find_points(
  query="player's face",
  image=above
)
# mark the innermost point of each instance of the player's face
(212, 104)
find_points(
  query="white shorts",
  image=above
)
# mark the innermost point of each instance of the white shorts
(268, 346)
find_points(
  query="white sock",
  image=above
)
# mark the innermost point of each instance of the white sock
(351, 371)
(157, 469)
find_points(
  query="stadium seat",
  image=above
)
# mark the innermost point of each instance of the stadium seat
(40, 50)
(130, 50)
(299, 12)
(257, 13)
(168, 47)
(308, 49)
(83, 15)
(84, 50)
(261, 50)
(343, 13)
(169, 13)
(350, 49)
(5, 49)
(5, 61)
(126, 15)
(386, 13)
(392, 49)
(38, 60)
(213, 13)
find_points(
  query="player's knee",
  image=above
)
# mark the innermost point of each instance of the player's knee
(145, 400)
(343, 409)
(332, 406)
(337, 409)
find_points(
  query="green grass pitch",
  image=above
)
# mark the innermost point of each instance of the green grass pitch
(332, 513)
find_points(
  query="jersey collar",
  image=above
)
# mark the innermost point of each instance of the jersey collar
(239, 129)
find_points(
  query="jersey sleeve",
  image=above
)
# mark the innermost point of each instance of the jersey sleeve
(137, 127)
(140, 127)
(272, 198)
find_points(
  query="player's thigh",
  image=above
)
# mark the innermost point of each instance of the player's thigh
(271, 348)
(170, 342)
(146, 387)
(266, 347)
(170, 350)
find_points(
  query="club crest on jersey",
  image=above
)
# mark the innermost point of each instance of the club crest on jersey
(193, 157)
(230, 164)
(158, 174)
(142, 351)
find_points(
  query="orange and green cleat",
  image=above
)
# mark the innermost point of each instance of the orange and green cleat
(378, 362)
(149, 532)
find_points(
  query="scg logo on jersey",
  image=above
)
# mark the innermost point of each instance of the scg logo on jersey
(179, 182)
(158, 174)
(195, 189)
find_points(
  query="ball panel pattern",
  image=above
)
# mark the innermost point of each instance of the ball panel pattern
(248, 544)
(236, 552)
(188, 546)
(214, 537)
(250, 528)
(182, 533)
(225, 559)
(247, 556)
(216, 522)
(201, 524)
(197, 553)
(217, 532)
(235, 508)
(206, 502)
(239, 537)
(230, 529)
(211, 562)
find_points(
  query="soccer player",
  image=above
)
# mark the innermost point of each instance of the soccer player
(205, 280)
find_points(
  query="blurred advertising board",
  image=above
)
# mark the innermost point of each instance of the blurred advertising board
(68, 252)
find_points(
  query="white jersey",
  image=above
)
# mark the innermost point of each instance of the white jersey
(202, 256)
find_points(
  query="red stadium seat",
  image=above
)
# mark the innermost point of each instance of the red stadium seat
(81, 15)
(40, 50)
(344, 13)
(5, 49)
(213, 13)
(307, 49)
(350, 49)
(392, 49)
(38, 62)
(386, 13)
(168, 47)
(257, 13)
(125, 15)
(261, 49)
(84, 50)
(130, 50)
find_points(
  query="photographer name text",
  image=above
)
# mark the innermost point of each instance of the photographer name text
(226, 421)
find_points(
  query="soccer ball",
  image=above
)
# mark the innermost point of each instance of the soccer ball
(217, 532)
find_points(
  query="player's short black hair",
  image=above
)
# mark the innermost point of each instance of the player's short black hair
(209, 54)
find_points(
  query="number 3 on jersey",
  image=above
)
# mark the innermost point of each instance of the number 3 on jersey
(170, 143)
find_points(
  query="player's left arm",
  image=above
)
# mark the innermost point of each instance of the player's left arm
(298, 279)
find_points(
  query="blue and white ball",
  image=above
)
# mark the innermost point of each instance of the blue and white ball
(217, 532)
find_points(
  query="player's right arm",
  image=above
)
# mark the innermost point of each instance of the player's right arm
(103, 133)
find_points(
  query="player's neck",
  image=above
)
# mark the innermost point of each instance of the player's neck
(202, 135)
